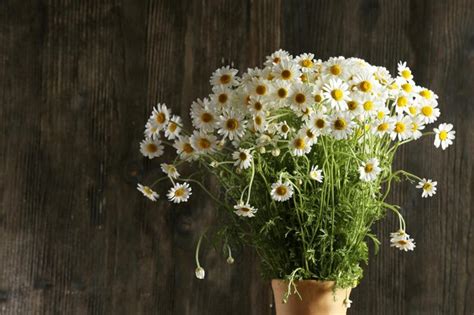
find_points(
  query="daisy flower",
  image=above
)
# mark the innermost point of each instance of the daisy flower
(402, 104)
(305, 62)
(231, 125)
(300, 145)
(221, 96)
(335, 67)
(179, 193)
(318, 123)
(365, 82)
(243, 158)
(401, 128)
(148, 192)
(341, 126)
(184, 148)
(160, 116)
(202, 142)
(244, 210)
(383, 126)
(369, 170)
(301, 96)
(404, 244)
(427, 95)
(404, 71)
(259, 86)
(259, 122)
(416, 127)
(256, 104)
(316, 174)
(354, 107)
(281, 191)
(444, 135)
(429, 112)
(336, 94)
(152, 130)
(347, 302)
(151, 148)
(225, 76)
(203, 115)
(280, 92)
(277, 57)
(286, 70)
(170, 170)
(173, 128)
(283, 129)
(382, 75)
(309, 134)
(398, 235)
(428, 186)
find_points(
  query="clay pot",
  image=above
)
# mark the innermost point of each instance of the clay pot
(317, 298)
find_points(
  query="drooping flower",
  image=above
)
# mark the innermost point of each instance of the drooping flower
(405, 244)
(200, 273)
(148, 192)
(170, 170)
(244, 210)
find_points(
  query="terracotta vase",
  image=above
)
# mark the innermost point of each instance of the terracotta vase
(317, 298)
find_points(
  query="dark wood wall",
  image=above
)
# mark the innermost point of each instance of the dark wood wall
(77, 81)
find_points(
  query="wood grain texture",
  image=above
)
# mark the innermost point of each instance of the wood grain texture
(77, 81)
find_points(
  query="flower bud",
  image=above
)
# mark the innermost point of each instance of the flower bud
(262, 150)
(276, 152)
(230, 260)
(200, 273)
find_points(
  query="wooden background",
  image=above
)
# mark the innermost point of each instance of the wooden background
(77, 81)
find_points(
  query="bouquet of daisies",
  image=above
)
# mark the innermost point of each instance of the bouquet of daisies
(302, 150)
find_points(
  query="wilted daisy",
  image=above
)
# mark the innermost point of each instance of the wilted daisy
(148, 192)
(231, 125)
(369, 170)
(444, 135)
(336, 94)
(244, 210)
(316, 174)
(225, 76)
(281, 191)
(151, 148)
(428, 186)
(403, 244)
(160, 116)
(173, 128)
(170, 170)
(179, 193)
(203, 115)
(184, 148)
(341, 125)
(243, 158)
(202, 142)
(300, 145)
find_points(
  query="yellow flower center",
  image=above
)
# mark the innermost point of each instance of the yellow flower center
(304, 77)
(276, 60)
(204, 143)
(318, 98)
(179, 192)
(443, 135)
(152, 148)
(309, 134)
(261, 89)
(187, 148)
(406, 74)
(402, 242)
(206, 117)
(172, 126)
(340, 124)
(337, 94)
(369, 167)
(382, 127)
(427, 186)
(160, 118)
(282, 93)
(258, 120)
(352, 105)
(286, 74)
(307, 63)
(320, 123)
(427, 110)
(426, 94)
(369, 105)
(225, 79)
(232, 124)
(402, 101)
(223, 98)
(400, 127)
(258, 106)
(300, 98)
(335, 69)
(244, 209)
(412, 110)
(147, 190)
(414, 127)
(380, 115)
(365, 86)
(242, 156)
(281, 190)
(284, 128)
(407, 87)
(299, 143)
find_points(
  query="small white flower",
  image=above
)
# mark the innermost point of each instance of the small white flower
(230, 260)
(405, 244)
(316, 174)
(444, 135)
(429, 112)
(152, 130)
(243, 158)
(301, 97)
(281, 191)
(336, 94)
(244, 210)
(286, 70)
(404, 71)
(148, 192)
(170, 170)
(200, 273)
(185, 149)
(341, 125)
(221, 97)
(306, 62)
(173, 128)
(179, 193)
(401, 128)
(398, 235)
(347, 302)
(318, 123)
(225, 76)
(231, 125)
(202, 142)
(416, 127)
(283, 129)
(203, 115)
(277, 57)
(160, 116)
(151, 148)
(428, 186)
(369, 170)
(300, 145)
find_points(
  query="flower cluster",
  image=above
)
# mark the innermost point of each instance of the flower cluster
(298, 132)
